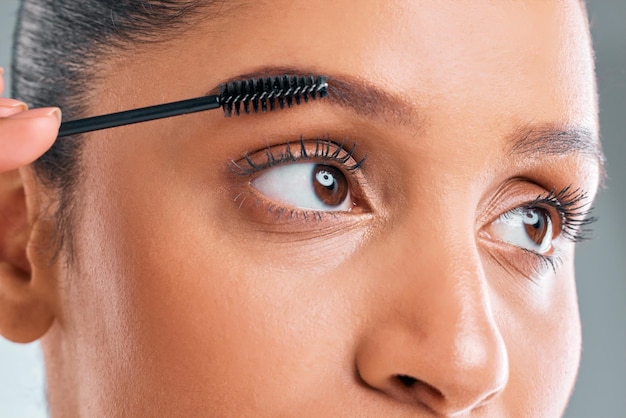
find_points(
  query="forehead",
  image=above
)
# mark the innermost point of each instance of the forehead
(531, 54)
(495, 64)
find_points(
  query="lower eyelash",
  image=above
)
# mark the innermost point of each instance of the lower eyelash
(530, 264)
(326, 150)
(281, 213)
(553, 261)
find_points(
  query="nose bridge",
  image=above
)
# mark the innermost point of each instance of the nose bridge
(456, 316)
(440, 268)
(450, 284)
(439, 345)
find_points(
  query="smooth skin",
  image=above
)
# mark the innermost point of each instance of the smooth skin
(183, 298)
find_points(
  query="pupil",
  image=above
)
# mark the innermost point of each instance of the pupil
(325, 179)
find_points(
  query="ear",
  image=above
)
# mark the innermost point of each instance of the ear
(26, 300)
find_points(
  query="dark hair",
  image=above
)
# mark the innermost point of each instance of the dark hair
(59, 48)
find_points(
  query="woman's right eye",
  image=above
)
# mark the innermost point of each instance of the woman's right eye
(306, 186)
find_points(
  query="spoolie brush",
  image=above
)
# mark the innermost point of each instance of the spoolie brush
(245, 96)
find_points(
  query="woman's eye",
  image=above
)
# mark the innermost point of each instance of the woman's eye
(306, 186)
(528, 228)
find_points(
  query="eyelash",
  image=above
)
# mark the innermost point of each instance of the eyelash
(322, 153)
(569, 205)
(326, 151)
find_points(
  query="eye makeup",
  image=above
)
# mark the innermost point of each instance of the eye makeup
(569, 204)
(555, 215)
(572, 220)
(332, 165)
(318, 149)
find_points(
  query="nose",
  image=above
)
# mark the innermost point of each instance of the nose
(438, 347)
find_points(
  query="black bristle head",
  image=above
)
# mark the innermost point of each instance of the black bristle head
(322, 90)
(245, 88)
(284, 89)
(256, 91)
(312, 89)
(226, 100)
(273, 89)
(270, 93)
(281, 88)
(237, 98)
(303, 89)
(266, 93)
(290, 84)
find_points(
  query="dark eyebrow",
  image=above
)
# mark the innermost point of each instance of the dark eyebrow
(352, 93)
(546, 139)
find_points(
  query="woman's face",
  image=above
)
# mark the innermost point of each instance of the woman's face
(426, 272)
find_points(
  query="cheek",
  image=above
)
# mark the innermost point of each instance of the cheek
(543, 337)
(191, 301)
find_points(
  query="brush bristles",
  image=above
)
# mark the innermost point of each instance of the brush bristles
(270, 93)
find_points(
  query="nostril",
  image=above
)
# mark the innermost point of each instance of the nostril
(407, 381)
(410, 382)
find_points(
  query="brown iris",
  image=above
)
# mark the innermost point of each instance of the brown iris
(331, 186)
(536, 224)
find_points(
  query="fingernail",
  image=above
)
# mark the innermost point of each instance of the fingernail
(40, 113)
(1, 71)
(13, 105)
(57, 113)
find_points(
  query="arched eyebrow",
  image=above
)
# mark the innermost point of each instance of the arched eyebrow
(354, 94)
(546, 139)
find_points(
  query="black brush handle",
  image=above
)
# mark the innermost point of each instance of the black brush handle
(263, 94)
(139, 115)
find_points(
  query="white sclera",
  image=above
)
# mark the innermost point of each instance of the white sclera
(292, 184)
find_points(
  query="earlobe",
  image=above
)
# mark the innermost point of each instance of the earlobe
(26, 298)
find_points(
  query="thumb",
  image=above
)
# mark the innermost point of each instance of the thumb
(26, 136)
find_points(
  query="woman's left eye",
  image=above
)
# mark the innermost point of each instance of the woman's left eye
(529, 228)
(307, 186)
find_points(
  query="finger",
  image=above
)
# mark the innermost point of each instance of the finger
(26, 136)
(10, 107)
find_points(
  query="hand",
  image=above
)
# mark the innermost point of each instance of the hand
(25, 134)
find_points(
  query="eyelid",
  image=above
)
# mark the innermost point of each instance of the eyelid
(568, 204)
(323, 150)
(342, 155)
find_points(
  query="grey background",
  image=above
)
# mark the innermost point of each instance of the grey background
(601, 264)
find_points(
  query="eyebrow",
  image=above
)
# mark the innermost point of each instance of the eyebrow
(548, 139)
(354, 94)
(366, 99)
